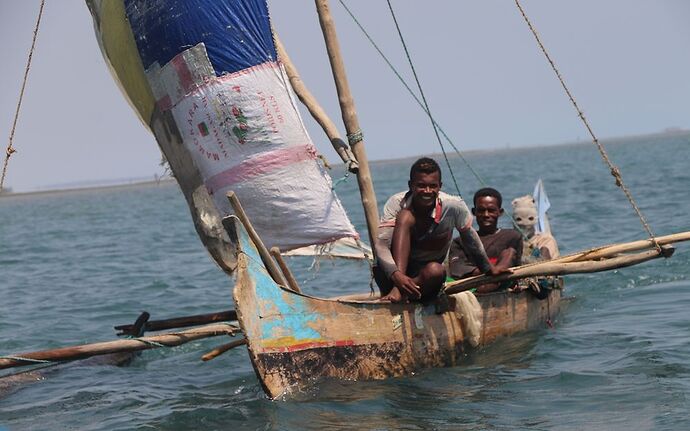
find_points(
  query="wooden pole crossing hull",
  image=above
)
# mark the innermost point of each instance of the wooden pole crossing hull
(295, 340)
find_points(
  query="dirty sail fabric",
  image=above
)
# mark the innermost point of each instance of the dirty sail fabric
(204, 76)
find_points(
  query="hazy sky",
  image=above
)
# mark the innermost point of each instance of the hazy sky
(487, 83)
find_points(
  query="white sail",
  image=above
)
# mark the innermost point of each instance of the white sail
(204, 76)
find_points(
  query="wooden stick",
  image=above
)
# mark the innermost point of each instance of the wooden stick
(588, 256)
(614, 249)
(292, 282)
(349, 114)
(182, 322)
(263, 251)
(72, 353)
(315, 108)
(548, 268)
(222, 349)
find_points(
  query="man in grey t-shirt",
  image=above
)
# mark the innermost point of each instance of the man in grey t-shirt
(415, 233)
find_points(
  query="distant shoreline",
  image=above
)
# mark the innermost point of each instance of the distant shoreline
(171, 180)
(90, 189)
(605, 141)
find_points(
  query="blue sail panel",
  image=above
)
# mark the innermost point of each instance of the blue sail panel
(236, 34)
(220, 104)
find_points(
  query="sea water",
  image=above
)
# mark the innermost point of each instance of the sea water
(74, 264)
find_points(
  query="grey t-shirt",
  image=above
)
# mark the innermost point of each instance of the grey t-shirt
(450, 212)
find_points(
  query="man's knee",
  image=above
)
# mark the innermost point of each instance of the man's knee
(434, 271)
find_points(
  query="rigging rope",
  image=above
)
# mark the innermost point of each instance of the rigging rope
(421, 92)
(614, 170)
(409, 90)
(10, 150)
(421, 105)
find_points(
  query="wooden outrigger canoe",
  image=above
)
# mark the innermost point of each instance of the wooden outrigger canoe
(296, 339)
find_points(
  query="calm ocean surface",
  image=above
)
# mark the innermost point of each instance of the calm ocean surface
(73, 265)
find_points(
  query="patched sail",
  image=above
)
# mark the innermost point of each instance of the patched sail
(204, 76)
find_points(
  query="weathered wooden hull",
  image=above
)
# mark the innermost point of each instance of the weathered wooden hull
(295, 340)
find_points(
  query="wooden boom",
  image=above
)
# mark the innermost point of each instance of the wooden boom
(614, 249)
(598, 259)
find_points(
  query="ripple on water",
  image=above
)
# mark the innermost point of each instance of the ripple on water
(617, 358)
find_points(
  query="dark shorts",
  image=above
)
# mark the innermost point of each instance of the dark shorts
(386, 285)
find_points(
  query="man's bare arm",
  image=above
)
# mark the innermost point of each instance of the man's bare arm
(506, 258)
(402, 240)
(382, 245)
(475, 249)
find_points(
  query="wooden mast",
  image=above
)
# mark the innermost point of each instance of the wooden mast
(347, 108)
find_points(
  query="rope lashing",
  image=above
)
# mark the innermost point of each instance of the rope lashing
(421, 92)
(148, 342)
(340, 180)
(614, 170)
(355, 137)
(10, 150)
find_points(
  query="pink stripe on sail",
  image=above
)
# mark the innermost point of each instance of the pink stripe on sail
(261, 164)
(183, 73)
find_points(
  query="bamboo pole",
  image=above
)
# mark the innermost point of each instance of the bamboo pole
(315, 109)
(614, 249)
(292, 282)
(550, 268)
(263, 251)
(72, 353)
(182, 322)
(222, 349)
(349, 114)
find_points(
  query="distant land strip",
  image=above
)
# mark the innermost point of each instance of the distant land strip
(165, 180)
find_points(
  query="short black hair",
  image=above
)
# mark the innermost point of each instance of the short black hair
(488, 191)
(425, 165)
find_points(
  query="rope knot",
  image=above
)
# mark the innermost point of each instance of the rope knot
(617, 175)
(10, 151)
(324, 161)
